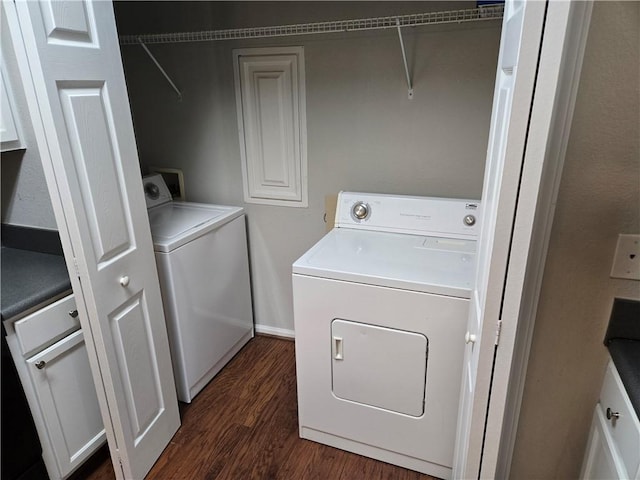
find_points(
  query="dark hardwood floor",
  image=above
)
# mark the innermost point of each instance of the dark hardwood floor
(244, 425)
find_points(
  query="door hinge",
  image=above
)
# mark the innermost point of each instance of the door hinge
(120, 463)
(75, 265)
(498, 331)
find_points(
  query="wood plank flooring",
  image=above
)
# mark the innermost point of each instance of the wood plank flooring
(244, 425)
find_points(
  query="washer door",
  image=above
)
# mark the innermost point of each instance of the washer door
(378, 366)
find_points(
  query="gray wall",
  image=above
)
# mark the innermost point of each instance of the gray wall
(363, 132)
(599, 198)
(25, 198)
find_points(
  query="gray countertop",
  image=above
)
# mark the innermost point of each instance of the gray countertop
(29, 279)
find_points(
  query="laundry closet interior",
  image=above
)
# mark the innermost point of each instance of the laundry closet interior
(402, 108)
(363, 133)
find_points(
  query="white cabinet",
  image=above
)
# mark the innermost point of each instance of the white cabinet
(51, 358)
(9, 138)
(613, 449)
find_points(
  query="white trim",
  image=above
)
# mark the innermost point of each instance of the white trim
(560, 127)
(274, 331)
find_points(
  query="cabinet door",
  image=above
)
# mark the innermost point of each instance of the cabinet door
(9, 139)
(601, 460)
(64, 386)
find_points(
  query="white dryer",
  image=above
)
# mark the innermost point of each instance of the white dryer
(202, 259)
(380, 311)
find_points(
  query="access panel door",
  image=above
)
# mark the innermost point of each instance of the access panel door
(378, 366)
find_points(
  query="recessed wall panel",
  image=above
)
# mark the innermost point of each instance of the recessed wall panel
(272, 123)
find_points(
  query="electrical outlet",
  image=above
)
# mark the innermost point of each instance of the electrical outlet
(626, 261)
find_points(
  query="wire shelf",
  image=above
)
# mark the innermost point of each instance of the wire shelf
(491, 12)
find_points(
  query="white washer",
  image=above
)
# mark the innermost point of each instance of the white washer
(380, 309)
(201, 254)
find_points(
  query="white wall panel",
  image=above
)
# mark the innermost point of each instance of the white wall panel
(270, 99)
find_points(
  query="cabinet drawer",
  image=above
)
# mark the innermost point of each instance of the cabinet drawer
(47, 325)
(625, 429)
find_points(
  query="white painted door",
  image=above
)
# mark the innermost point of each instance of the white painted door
(513, 95)
(79, 107)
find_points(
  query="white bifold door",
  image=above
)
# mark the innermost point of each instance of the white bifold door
(72, 73)
(537, 76)
(515, 77)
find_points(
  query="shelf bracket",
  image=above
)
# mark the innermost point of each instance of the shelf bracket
(173, 85)
(404, 59)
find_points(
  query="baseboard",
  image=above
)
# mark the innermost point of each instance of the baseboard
(274, 331)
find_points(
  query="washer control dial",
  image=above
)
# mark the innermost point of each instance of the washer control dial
(360, 210)
(152, 190)
(469, 220)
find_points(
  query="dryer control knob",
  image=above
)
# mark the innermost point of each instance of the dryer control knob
(360, 210)
(469, 220)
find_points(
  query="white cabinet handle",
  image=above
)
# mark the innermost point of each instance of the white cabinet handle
(124, 280)
(469, 338)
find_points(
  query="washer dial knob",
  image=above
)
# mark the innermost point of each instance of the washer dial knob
(469, 220)
(360, 210)
(152, 190)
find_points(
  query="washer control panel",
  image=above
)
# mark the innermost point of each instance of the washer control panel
(156, 191)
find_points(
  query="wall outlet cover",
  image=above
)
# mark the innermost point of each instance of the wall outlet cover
(626, 261)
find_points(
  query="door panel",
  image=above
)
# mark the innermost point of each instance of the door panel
(68, 21)
(383, 367)
(78, 103)
(130, 325)
(90, 123)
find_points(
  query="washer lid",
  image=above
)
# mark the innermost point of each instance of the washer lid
(444, 266)
(176, 223)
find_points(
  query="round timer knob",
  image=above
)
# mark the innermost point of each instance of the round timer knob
(360, 210)
(469, 220)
